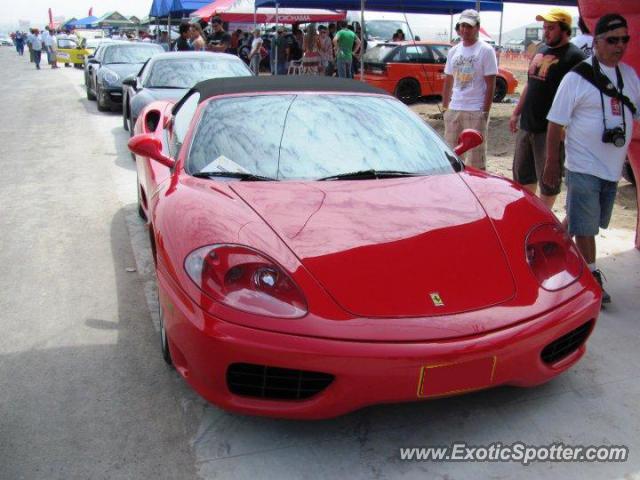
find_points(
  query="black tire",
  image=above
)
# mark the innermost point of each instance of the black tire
(90, 96)
(125, 115)
(408, 91)
(164, 340)
(627, 173)
(101, 106)
(501, 90)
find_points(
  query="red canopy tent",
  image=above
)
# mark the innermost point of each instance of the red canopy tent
(243, 11)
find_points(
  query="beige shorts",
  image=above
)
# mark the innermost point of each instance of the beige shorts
(455, 121)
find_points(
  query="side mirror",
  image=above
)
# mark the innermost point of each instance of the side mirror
(93, 60)
(467, 140)
(147, 145)
(131, 81)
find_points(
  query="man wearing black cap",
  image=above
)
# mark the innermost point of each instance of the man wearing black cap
(547, 68)
(597, 103)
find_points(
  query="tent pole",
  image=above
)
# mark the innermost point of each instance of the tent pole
(500, 36)
(451, 28)
(275, 43)
(362, 40)
(169, 25)
(255, 16)
(477, 5)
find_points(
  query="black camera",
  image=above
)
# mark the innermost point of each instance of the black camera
(614, 135)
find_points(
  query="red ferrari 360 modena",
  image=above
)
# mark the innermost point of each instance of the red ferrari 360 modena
(319, 248)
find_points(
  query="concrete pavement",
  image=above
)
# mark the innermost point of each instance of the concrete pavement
(83, 389)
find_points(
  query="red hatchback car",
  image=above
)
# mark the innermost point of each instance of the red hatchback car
(334, 253)
(410, 70)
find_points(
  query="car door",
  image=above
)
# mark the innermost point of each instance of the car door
(438, 59)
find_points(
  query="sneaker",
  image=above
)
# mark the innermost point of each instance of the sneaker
(597, 274)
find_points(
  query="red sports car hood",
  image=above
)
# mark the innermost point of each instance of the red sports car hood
(390, 248)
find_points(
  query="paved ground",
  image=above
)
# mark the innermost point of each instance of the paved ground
(84, 392)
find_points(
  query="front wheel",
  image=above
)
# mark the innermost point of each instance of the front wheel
(501, 90)
(408, 91)
(125, 121)
(90, 95)
(164, 340)
(101, 106)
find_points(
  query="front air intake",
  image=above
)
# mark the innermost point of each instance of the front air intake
(274, 383)
(567, 344)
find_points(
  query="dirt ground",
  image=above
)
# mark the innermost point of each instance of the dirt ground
(500, 154)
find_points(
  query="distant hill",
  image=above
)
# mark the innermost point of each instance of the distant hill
(518, 33)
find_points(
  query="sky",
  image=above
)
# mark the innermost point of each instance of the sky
(35, 11)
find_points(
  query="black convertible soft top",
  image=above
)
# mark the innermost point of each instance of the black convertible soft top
(277, 83)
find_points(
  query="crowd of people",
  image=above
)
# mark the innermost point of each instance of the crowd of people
(38, 42)
(320, 49)
(574, 116)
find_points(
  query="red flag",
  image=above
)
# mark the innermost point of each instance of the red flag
(50, 19)
(90, 12)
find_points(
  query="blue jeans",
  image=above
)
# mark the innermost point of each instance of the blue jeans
(344, 69)
(37, 55)
(590, 202)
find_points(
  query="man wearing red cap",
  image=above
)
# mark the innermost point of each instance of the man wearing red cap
(596, 103)
(547, 68)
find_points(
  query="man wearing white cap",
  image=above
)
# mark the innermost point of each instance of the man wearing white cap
(470, 80)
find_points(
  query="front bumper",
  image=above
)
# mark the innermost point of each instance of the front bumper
(112, 96)
(365, 373)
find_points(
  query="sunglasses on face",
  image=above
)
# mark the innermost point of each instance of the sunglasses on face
(615, 40)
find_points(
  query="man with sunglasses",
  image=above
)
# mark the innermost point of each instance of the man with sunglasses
(547, 68)
(596, 103)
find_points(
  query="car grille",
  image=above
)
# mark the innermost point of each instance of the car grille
(567, 344)
(266, 382)
(115, 97)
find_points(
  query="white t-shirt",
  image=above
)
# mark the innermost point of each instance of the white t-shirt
(469, 66)
(46, 39)
(255, 45)
(577, 106)
(584, 42)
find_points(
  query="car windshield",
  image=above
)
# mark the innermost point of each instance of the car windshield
(378, 53)
(186, 72)
(94, 42)
(440, 52)
(66, 43)
(384, 29)
(130, 54)
(310, 136)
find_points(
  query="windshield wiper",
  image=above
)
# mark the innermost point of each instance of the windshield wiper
(241, 175)
(167, 87)
(368, 174)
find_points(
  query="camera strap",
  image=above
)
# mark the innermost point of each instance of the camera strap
(593, 75)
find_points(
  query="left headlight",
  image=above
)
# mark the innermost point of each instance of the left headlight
(553, 258)
(110, 78)
(245, 279)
